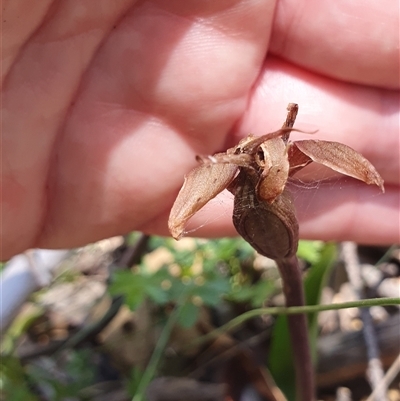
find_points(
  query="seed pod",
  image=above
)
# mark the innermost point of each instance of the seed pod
(271, 229)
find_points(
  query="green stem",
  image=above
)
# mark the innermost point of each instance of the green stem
(282, 310)
(153, 364)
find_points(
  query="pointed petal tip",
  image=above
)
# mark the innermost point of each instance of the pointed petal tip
(176, 231)
(375, 179)
(177, 235)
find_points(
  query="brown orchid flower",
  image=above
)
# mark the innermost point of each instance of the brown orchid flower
(257, 170)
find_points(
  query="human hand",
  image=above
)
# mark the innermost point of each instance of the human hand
(105, 105)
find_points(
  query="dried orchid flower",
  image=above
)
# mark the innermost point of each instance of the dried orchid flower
(256, 172)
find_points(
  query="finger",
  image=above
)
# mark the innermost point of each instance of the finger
(45, 62)
(339, 210)
(350, 41)
(20, 19)
(346, 210)
(364, 118)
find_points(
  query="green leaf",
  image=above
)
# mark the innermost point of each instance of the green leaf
(314, 283)
(188, 314)
(158, 286)
(280, 358)
(134, 380)
(241, 293)
(184, 258)
(131, 286)
(13, 383)
(262, 291)
(310, 250)
(212, 290)
(256, 294)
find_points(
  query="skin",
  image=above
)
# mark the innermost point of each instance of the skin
(105, 105)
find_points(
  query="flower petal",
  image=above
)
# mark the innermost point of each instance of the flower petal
(341, 158)
(201, 185)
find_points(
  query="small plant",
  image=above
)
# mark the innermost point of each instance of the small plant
(217, 263)
(256, 171)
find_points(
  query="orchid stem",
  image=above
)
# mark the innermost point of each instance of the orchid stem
(298, 327)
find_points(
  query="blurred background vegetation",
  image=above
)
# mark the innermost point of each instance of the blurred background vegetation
(122, 312)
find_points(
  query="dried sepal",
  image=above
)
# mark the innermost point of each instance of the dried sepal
(201, 184)
(341, 158)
